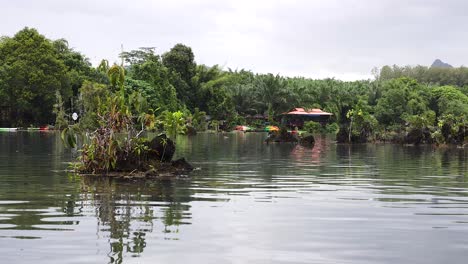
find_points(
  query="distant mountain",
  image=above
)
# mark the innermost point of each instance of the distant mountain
(440, 64)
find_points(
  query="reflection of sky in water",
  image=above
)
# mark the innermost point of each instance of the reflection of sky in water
(250, 202)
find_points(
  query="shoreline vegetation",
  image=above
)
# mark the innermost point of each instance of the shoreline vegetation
(43, 81)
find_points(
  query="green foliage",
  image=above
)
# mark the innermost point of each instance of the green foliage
(232, 121)
(69, 137)
(257, 123)
(60, 119)
(430, 75)
(181, 60)
(91, 96)
(104, 148)
(401, 97)
(30, 73)
(453, 129)
(219, 104)
(362, 123)
(147, 75)
(140, 56)
(32, 69)
(78, 67)
(173, 123)
(114, 141)
(425, 120)
(181, 64)
(214, 125)
(273, 95)
(41, 77)
(313, 127)
(213, 97)
(116, 76)
(449, 100)
(199, 120)
(103, 67)
(145, 115)
(332, 128)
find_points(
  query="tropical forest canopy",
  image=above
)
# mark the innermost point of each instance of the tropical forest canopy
(39, 76)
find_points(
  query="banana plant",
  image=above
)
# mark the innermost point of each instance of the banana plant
(116, 76)
(173, 123)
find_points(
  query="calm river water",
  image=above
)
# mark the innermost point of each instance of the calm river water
(248, 203)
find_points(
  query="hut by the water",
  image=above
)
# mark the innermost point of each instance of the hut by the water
(297, 116)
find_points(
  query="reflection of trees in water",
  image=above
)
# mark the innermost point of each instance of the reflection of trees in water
(242, 159)
(32, 163)
(356, 161)
(315, 154)
(129, 210)
(406, 169)
(354, 152)
(455, 159)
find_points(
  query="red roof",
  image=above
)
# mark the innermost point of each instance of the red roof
(302, 111)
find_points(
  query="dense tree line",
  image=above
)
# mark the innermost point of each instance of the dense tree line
(35, 71)
(423, 74)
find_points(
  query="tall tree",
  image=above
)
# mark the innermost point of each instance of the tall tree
(272, 94)
(150, 77)
(401, 97)
(181, 63)
(30, 73)
(211, 94)
(78, 67)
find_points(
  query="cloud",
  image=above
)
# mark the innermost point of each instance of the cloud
(321, 38)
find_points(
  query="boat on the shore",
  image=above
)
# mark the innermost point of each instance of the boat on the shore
(14, 129)
(42, 128)
(242, 128)
(8, 129)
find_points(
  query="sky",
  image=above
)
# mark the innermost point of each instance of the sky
(342, 39)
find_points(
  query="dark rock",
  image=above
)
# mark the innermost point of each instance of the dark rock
(161, 148)
(182, 164)
(308, 141)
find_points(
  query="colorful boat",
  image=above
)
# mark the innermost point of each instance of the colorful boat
(42, 128)
(8, 129)
(271, 128)
(242, 128)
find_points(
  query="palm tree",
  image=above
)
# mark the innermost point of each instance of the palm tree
(272, 92)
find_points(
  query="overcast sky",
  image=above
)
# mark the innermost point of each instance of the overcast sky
(317, 38)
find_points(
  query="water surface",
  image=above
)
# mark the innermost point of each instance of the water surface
(249, 203)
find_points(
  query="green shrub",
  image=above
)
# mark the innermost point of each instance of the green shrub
(199, 120)
(332, 128)
(313, 127)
